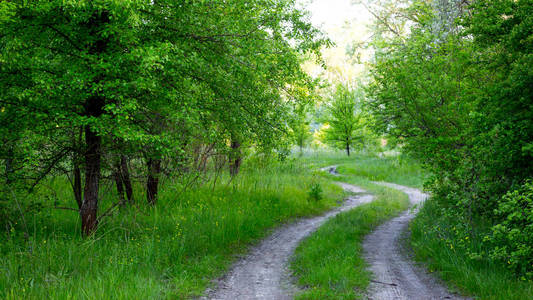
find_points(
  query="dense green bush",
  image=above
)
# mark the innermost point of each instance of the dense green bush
(511, 239)
(315, 192)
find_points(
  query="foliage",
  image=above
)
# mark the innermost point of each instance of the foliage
(300, 131)
(456, 90)
(511, 240)
(451, 250)
(344, 119)
(86, 83)
(315, 192)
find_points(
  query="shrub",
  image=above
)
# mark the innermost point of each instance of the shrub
(315, 193)
(511, 240)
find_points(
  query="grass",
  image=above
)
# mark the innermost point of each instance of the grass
(329, 264)
(436, 245)
(170, 251)
(397, 169)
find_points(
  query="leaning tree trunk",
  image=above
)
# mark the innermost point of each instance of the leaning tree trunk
(77, 182)
(235, 158)
(154, 170)
(76, 161)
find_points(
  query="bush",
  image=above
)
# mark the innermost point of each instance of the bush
(315, 193)
(511, 240)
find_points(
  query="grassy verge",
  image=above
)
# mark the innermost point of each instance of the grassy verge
(329, 264)
(397, 169)
(170, 251)
(436, 244)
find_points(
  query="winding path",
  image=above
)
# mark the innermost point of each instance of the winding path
(263, 273)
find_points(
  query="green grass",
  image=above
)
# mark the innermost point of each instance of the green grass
(329, 264)
(171, 251)
(435, 244)
(397, 169)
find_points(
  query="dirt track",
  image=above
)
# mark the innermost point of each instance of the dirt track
(395, 275)
(263, 273)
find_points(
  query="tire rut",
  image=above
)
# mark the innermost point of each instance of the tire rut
(263, 272)
(395, 275)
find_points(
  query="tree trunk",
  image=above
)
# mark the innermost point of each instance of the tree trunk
(117, 175)
(235, 158)
(125, 172)
(9, 165)
(77, 182)
(348, 148)
(93, 108)
(77, 141)
(154, 169)
(89, 207)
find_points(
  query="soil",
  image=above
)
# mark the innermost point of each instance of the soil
(396, 276)
(263, 273)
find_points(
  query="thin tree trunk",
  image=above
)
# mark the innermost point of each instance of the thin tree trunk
(126, 178)
(348, 148)
(154, 169)
(89, 207)
(9, 165)
(235, 158)
(77, 140)
(77, 182)
(117, 174)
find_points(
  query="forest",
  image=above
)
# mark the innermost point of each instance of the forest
(148, 145)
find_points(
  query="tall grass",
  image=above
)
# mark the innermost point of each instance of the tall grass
(436, 244)
(172, 250)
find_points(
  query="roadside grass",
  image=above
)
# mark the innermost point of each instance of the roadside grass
(329, 263)
(398, 169)
(170, 251)
(435, 244)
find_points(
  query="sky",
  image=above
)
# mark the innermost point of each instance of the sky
(345, 24)
(334, 13)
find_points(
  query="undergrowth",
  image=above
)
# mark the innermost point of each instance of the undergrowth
(171, 250)
(441, 242)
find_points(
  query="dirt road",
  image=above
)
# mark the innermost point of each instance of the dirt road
(263, 273)
(395, 275)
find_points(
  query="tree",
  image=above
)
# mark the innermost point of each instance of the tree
(300, 131)
(344, 119)
(82, 81)
(457, 92)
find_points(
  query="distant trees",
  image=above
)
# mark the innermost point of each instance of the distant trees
(344, 119)
(86, 87)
